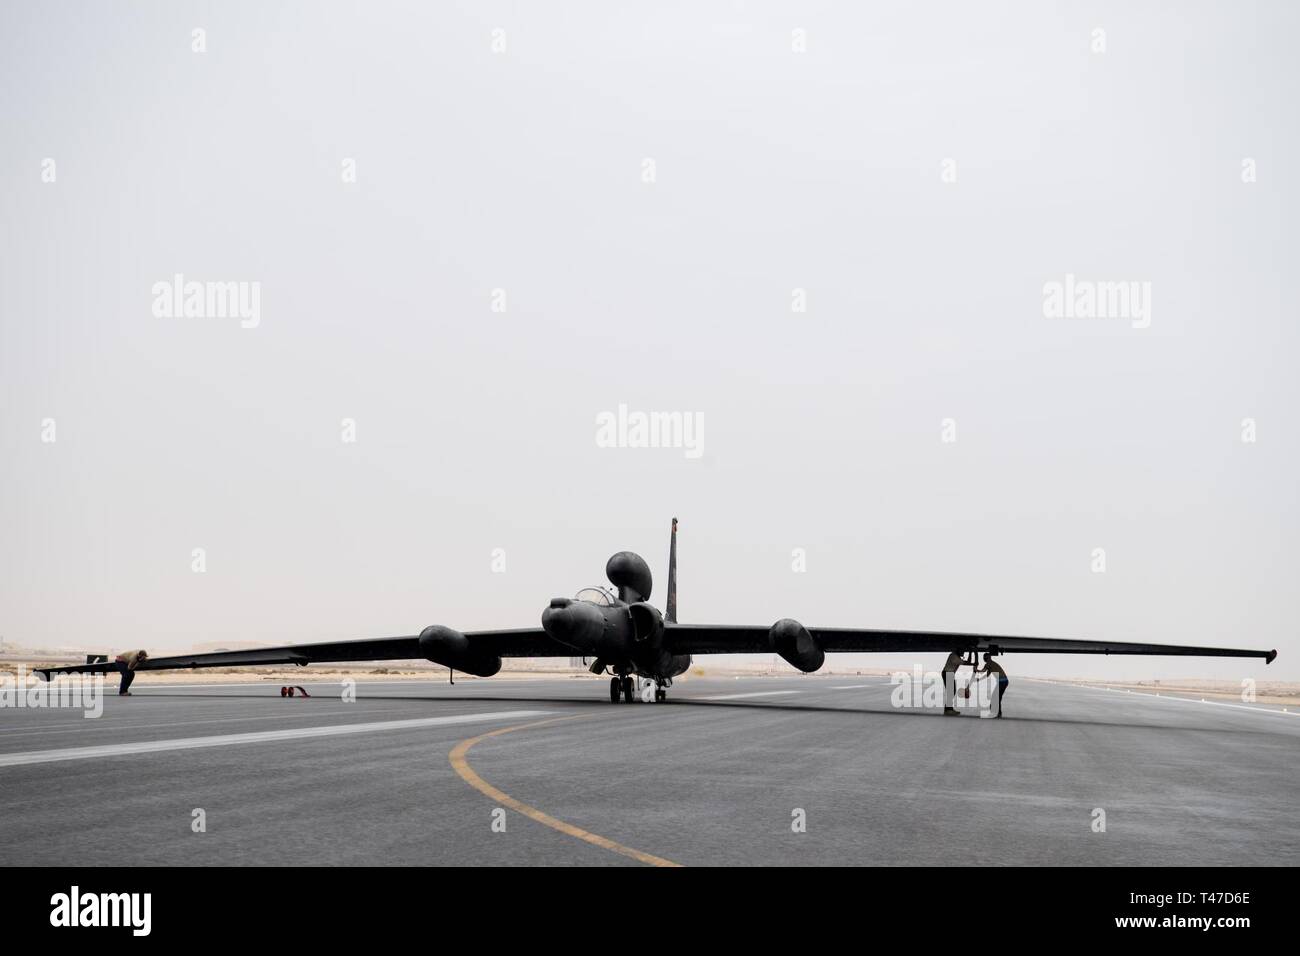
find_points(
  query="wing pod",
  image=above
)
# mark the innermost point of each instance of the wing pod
(792, 641)
(453, 649)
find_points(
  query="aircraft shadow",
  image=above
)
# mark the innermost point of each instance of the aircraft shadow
(603, 703)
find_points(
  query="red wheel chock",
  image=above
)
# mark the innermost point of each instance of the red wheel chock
(289, 691)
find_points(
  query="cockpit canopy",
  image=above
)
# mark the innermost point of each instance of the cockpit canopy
(601, 597)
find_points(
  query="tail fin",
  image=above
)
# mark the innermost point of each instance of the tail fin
(671, 607)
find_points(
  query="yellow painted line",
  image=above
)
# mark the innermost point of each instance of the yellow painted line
(466, 772)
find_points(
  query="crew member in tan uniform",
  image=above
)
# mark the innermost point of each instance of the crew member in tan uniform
(950, 667)
(126, 663)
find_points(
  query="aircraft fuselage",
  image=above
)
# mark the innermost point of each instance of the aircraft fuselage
(627, 638)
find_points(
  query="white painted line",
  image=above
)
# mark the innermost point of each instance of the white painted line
(273, 682)
(1219, 703)
(101, 724)
(1186, 700)
(265, 736)
(855, 686)
(141, 685)
(761, 693)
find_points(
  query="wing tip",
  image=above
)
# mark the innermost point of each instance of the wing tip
(1270, 657)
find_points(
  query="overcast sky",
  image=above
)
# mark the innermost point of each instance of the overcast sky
(461, 248)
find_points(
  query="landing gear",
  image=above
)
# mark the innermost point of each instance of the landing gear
(630, 688)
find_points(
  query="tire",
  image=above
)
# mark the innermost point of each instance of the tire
(615, 689)
(629, 690)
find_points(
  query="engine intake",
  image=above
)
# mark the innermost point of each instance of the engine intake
(452, 649)
(647, 623)
(792, 641)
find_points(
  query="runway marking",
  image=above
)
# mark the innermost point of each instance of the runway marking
(141, 685)
(760, 693)
(259, 737)
(1193, 700)
(855, 686)
(100, 724)
(1175, 696)
(466, 772)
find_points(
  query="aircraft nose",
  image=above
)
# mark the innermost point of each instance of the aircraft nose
(573, 623)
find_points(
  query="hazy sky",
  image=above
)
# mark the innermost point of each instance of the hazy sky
(919, 171)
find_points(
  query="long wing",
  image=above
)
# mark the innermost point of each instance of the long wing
(744, 639)
(680, 639)
(520, 642)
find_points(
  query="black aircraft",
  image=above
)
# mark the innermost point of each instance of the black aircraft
(629, 637)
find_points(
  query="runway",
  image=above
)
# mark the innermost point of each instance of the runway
(508, 772)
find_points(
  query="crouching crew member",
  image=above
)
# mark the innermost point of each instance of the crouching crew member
(126, 663)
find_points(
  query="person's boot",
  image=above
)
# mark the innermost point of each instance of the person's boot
(951, 712)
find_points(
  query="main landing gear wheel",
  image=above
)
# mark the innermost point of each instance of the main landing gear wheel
(661, 694)
(629, 690)
(615, 689)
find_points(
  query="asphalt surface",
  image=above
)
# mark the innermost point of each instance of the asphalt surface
(715, 775)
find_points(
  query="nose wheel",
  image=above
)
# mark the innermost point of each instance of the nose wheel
(626, 689)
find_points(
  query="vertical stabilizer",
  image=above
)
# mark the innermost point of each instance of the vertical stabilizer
(671, 606)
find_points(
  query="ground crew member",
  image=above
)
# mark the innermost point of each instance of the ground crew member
(950, 666)
(126, 663)
(994, 670)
